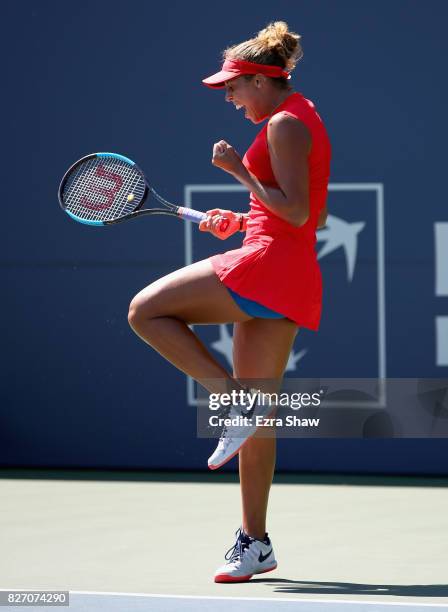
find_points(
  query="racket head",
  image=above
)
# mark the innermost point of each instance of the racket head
(102, 188)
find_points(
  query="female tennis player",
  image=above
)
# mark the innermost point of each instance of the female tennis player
(270, 286)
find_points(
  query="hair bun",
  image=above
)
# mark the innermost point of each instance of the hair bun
(276, 36)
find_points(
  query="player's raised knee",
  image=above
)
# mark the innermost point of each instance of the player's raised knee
(145, 306)
(137, 311)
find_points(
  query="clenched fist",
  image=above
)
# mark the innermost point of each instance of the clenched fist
(225, 157)
(221, 223)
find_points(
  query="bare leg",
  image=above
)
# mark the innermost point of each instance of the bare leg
(261, 349)
(161, 312)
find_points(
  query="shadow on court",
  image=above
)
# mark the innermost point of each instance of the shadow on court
(348, 588)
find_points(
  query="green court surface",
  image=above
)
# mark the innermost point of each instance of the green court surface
(155, 540)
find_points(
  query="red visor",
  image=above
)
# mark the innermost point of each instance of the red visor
(235, 68)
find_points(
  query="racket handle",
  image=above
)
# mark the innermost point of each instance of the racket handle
(189, 214)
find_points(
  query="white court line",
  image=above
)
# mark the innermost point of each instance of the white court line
(293, 599)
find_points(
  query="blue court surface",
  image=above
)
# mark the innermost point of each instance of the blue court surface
(136, 602)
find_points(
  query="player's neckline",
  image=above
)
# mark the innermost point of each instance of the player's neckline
(277, 108)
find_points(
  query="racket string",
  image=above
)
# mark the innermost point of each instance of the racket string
(86, 191)
(96, 197)
(130, 186)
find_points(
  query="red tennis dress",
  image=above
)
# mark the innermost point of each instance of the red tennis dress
(277, 264)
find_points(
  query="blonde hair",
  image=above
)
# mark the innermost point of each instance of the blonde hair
(275, 45)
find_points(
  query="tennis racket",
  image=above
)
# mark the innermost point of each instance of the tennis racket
(107, 188)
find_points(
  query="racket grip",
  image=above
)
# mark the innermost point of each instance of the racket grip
(189, 214)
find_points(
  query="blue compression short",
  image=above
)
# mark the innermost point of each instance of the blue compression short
(254, 309)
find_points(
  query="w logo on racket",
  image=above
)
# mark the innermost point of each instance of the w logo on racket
(97, 187)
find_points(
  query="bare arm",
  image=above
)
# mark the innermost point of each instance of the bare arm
(289, 143)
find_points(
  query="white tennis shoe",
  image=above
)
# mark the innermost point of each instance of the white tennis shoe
(246, 558)
(234, 436)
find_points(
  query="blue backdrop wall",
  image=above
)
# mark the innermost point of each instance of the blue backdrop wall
(78, 388)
